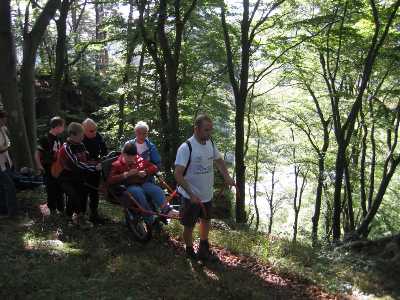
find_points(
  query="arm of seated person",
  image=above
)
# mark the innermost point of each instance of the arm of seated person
(150, 168)
(116, 176)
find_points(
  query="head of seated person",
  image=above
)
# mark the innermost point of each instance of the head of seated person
(129, 153)
(75, 132)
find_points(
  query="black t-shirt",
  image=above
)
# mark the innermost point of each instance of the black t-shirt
(95, 146)
(48, 146)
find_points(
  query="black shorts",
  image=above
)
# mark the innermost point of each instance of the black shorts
(191, 212)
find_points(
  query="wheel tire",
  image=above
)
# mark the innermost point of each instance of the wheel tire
(141, 231)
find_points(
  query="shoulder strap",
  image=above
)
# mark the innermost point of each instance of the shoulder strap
(213, 146)
(190, 156)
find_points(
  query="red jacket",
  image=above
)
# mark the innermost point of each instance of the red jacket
(120, 166)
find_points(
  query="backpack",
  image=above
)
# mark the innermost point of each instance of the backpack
(56, 166)
(190, 154)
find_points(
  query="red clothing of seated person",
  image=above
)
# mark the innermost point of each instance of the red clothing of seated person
(130, 170)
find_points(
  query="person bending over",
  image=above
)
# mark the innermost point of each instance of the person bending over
(73, 158)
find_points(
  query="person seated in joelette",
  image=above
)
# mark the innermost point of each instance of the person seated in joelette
(132, 170)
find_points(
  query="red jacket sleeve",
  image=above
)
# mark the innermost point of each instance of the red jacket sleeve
(150, 168)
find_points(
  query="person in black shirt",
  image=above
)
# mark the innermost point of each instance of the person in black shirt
(45, 155)
(96, 148)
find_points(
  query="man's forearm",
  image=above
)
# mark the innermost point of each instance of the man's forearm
(185, 185)
(222, 168)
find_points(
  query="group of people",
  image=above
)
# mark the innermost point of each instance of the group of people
(78, 159)
(78, 177)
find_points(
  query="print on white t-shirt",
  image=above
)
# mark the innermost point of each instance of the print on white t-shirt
(200, 173)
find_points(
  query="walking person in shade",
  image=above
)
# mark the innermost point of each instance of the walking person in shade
(194, 173)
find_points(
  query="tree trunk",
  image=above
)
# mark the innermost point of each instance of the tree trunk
(240, 168)
(362, 230)
(9, 91)
(102, 56)
(130, 45)
(363, 195)
(318, 201)
(240, 93)
(61, 53)
(373, 157)
(337, 204)
(256, 179)
(349, 191)
(167, 59)
(272, 208)
(31, 43)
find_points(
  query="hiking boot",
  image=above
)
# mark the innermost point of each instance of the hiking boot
(190, 253)
(205, 254)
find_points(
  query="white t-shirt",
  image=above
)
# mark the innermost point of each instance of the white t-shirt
(200, 174)
(141, 147)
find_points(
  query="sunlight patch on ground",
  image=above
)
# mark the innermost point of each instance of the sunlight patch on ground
(32, 242)
(210, 274)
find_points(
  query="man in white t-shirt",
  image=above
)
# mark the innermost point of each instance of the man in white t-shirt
(194, 173)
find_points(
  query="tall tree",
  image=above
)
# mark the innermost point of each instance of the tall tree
(165, 49)
(9, 90)
(332, 66)
(102, 56)
(32, 39)
(239, 79)
(61, 56)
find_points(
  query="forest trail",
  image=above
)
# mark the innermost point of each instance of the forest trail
(42, 257)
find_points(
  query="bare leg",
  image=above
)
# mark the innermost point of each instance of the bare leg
(204, 229)
(188, 236)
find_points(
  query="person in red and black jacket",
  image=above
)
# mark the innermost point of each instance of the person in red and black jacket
(73, 158)
(132, 170)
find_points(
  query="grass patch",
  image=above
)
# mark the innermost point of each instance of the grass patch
(43, 258)
(336, 271)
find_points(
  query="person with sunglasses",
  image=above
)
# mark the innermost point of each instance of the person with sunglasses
(96, 148)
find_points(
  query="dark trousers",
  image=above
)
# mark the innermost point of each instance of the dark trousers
(8, 198)
(55, 197)
(74, 189)
(91, 192)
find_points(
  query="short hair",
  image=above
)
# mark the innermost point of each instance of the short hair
(129, 148)
(74, 128)
(88, 121)
(200, 119)
(56, 121)
(142, 124)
